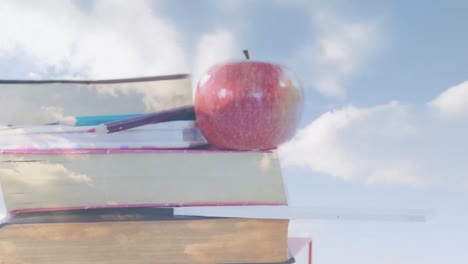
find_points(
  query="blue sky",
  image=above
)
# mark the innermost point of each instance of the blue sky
(386, 104)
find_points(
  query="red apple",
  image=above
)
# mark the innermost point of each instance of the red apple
(248, 105)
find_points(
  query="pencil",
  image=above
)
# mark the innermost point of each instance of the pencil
(92, 120)
(180, 113)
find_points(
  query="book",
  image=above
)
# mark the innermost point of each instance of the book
(295, 212)
(75, 196)
(301, 249)
(56, 138)
(132, 177)
(143, 235)
(30, 103)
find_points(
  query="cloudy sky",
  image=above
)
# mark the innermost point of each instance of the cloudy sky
(386, 97)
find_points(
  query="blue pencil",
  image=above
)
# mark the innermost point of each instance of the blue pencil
(92, 120)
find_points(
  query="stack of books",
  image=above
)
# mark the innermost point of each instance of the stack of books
(152, 194)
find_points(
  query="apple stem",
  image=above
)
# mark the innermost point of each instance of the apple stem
(246, 54)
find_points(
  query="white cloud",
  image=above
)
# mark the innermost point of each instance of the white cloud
(453, 101)
(115, 39)
(403, 173)
(385, 144)
(317, 146)
(213, 48)
(339, 50)
(344, 44)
